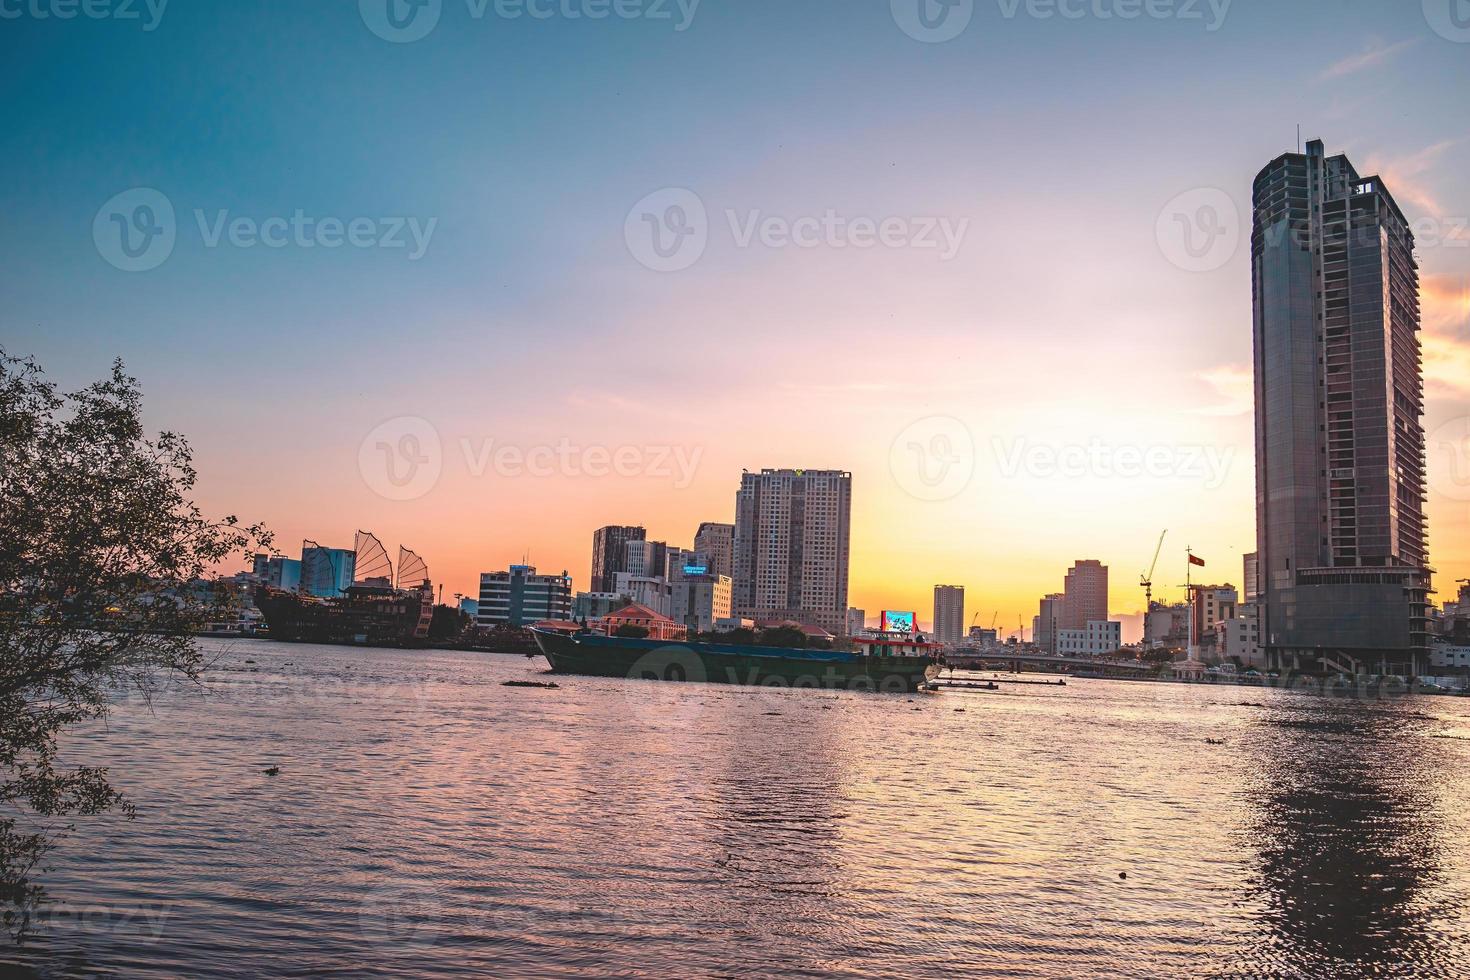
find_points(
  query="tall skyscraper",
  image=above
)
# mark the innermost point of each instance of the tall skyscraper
(1340, 531)
(791, 546)
(609, 550)
(1086, 595)
(949, 613)
(715, 544)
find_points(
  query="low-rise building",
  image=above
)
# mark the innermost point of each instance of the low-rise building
(699, 601)
(654, 625)
(652, 591)
(520, 597)
(1239, 638)
(1098, 638)
(594, 605)
(1446, 655)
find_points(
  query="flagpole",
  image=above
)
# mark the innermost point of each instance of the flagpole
(1189, 598)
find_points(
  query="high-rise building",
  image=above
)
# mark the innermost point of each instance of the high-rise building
(715, 545)
(791, 546)
(608, 554)
(277, 572)
(1048, 621)
(949, 613)
(1252, 573)
(646, 559)
(1340, 482)
(520, 597)
(326, 572)
(1086, 592)
(857, 621)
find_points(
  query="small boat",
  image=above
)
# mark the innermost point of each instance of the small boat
(875, 664)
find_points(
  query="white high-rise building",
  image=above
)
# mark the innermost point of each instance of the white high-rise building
(949, 613)
(791, 546)
(714, 544)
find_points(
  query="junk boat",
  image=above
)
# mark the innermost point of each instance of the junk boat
(372, 611)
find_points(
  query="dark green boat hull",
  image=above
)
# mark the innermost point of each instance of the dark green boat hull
(601, 656)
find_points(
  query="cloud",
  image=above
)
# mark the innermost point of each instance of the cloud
(1234, 386)
(1445, 303)
(1402, 174)
(1376, 54)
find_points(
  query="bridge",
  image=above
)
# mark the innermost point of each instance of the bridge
(978, 660)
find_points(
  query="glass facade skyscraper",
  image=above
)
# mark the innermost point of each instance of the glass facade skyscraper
(1340, 483)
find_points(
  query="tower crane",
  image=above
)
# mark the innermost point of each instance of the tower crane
(1147, 581)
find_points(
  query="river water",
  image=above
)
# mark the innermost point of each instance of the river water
(428, 821)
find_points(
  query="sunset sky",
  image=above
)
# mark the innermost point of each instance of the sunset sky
(1067, 322)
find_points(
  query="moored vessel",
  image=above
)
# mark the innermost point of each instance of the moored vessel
(885, 664)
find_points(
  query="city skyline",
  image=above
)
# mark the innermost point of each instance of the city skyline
(1067, 331)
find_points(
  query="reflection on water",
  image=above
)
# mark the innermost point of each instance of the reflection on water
(429, 821)
(1349, 822)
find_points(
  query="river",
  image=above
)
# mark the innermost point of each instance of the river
(429, 821)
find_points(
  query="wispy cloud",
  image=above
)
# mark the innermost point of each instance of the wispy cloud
(1377, 53)
(1403, 174)
(1446, 313)
(1234, 389)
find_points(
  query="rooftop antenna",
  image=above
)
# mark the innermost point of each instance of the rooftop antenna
(1299, 137)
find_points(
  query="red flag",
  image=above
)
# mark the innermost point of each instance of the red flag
(1197, 560)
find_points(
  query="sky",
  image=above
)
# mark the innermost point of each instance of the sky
(483, 276)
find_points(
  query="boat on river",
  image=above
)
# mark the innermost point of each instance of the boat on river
(894, 664)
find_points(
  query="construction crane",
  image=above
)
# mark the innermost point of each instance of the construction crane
(1147, 581)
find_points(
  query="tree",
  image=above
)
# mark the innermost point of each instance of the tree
(631, 631)
(783, 636)
(107, 568)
